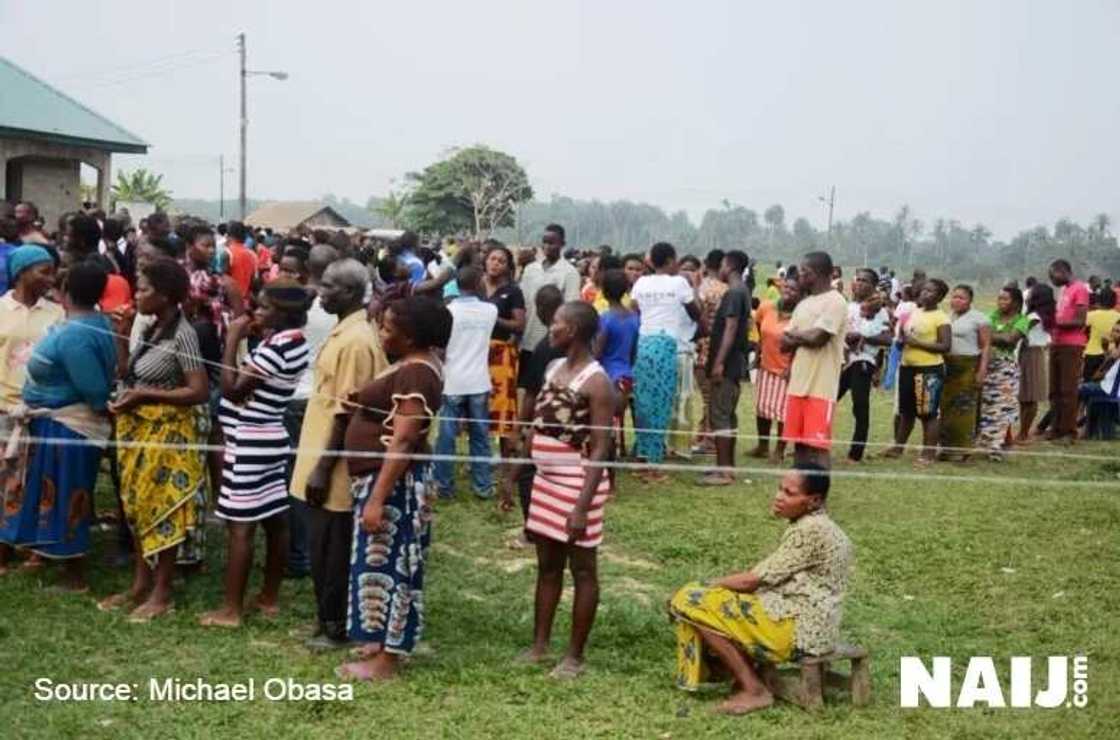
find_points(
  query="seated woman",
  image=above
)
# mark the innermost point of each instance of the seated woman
(1099, 394)
(785, 606)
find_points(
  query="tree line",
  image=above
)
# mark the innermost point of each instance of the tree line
(478, 191)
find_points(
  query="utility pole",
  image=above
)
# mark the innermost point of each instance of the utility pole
(245, 115)
(221, 187)
(244, 123)
(831, 205)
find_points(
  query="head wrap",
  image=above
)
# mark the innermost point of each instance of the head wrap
(287, 294)
(21, 258)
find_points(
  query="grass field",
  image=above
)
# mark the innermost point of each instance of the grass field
(950, 566)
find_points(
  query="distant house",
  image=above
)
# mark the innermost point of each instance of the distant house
(45, 136)
(285, 216)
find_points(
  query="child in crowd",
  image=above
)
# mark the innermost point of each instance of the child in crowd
(531, 380)
(614, 347)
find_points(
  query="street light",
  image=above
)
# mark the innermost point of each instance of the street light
(245, 73)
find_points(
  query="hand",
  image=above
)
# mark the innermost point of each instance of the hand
(239, 327)
(128, 400)
(316, 487)
(121, 317)
(980, 374)
(576, 525)
(852, 338)
(717, 370)
(373, 517)
(788, 343)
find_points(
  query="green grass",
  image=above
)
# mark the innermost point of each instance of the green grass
(944, 567)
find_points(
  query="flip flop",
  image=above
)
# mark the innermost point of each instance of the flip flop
(113, 603)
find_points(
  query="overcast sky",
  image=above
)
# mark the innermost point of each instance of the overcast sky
(1000, 112)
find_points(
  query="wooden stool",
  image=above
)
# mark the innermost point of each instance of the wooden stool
(807, 689)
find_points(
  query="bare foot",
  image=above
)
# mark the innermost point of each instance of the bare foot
(35, 562)
(891, 453)
(368, 670)
(741, 703)
(116, 601)
(149, 610)
(270, 609)
(534, 656)
(220, 618)
(568, 669)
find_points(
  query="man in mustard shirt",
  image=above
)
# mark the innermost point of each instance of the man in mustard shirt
(926, 340)
(350, 357)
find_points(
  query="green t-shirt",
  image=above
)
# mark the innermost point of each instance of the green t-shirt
(1018, 323)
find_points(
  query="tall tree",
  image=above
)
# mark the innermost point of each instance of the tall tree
(476, 189)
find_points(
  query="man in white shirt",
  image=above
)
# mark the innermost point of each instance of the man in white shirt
(550, 269)
(864, 336)
(466, 388)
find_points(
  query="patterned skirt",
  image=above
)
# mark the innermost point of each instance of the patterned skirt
(504, 360)
(655, 388)
(163, 489)
(959, 400)
(50, 510)
(740, 617)
(999, 403)
(557, 486)
(386, 597)
(770, 396)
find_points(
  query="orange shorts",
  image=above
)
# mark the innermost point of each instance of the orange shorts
(809, 421)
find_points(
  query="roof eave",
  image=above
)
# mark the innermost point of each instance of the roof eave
(120, 147)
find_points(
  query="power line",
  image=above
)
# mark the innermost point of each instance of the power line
(169, 60)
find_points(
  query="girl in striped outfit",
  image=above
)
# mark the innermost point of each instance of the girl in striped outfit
(254, 487)
(571, 428)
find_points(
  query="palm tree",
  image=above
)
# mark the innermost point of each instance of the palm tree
(392, 208)
(142, 186)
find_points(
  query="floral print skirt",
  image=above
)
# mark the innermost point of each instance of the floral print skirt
(163, 487)
(49, 509)
(739, 617)
(386, 598)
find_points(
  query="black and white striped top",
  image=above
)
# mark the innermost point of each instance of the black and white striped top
(282, 359)
(165, 364)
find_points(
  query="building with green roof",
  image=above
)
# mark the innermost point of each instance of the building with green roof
(45, 136)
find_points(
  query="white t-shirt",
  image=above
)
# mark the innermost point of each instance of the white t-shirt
(661, 300)
(315, 331)
(467, 370)
(1037, 336)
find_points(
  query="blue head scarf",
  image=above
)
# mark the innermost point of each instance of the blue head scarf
(24, 257)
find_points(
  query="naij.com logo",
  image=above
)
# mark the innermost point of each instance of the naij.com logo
(984, 685)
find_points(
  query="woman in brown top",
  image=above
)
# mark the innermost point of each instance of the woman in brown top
(392, 518)
(571, 427)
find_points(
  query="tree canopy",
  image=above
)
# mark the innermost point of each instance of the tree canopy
(474, 190)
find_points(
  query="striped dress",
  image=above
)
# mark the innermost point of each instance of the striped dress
(560, 436)
(256, 443)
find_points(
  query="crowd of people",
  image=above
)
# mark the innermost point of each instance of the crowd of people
(293, 382)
